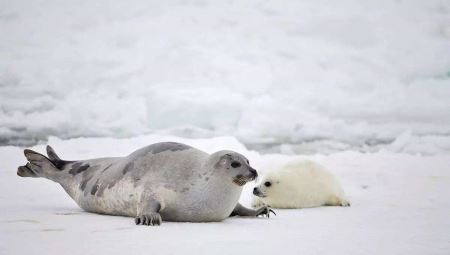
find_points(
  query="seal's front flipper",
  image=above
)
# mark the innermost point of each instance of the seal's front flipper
(38, 166)
(265, 211)
(240, 210)
(148, 212)
(151, 219)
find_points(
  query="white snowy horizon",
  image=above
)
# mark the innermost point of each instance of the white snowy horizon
(290, 77)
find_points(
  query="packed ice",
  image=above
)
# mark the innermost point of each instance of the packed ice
(284, 76)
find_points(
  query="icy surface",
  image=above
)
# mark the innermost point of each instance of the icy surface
(295, 76)
(399, 206)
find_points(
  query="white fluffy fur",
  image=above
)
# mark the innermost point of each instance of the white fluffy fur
(300, 184)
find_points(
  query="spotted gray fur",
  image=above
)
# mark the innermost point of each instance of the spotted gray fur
(128, 167)
(173, 181)
(77, 168)
(168, 146)
(94, 188)
(106, 168)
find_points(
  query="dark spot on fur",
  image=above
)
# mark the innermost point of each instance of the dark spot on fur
(95, 188)
(106, 168)
(184, 190)
(84, 182)
(168, 146)
(111, 184)
(127, 168)
(206, 178)
(86, 177)
(77, 168)
(101, 189)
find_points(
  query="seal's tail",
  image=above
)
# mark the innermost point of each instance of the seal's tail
(39, 165)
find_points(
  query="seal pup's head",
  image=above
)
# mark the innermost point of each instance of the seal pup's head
(269, 185)
(233, 165)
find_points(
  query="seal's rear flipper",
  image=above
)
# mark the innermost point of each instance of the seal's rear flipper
(57, 161)
(24, 171)
(52, 154)
(38, 166)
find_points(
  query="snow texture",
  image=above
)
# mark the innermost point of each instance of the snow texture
(399, 206)
(281, 76)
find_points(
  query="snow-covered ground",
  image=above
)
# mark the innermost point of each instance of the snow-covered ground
(400, 205)
(292, 76)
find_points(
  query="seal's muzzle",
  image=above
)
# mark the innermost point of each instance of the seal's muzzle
(254, 174)
(257, 192)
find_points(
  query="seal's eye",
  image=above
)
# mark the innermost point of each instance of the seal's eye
(235, 164)
(267, 184)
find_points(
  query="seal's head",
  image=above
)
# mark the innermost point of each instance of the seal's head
(233, 165)
(268, 186)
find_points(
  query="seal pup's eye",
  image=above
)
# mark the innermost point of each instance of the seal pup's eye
(235, 164)
(267, 184)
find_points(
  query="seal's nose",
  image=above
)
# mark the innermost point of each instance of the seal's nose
(253, 171)
(256, 191)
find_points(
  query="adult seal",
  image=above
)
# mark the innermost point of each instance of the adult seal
(163, 181)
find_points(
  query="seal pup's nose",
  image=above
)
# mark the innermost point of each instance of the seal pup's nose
(256, 192)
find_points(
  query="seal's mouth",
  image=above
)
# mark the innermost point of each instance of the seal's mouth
(241, 180)
(257, 192)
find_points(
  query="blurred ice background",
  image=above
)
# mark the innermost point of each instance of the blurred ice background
(281, 76)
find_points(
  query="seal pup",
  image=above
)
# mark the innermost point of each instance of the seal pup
(299, 184)
(163, 181)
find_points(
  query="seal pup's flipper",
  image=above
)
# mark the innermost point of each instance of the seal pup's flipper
(38, 166)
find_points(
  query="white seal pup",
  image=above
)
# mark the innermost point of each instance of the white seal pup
(163, 181)
(299, 184)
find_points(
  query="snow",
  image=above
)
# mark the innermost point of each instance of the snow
(399, 206)
(285, 76)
